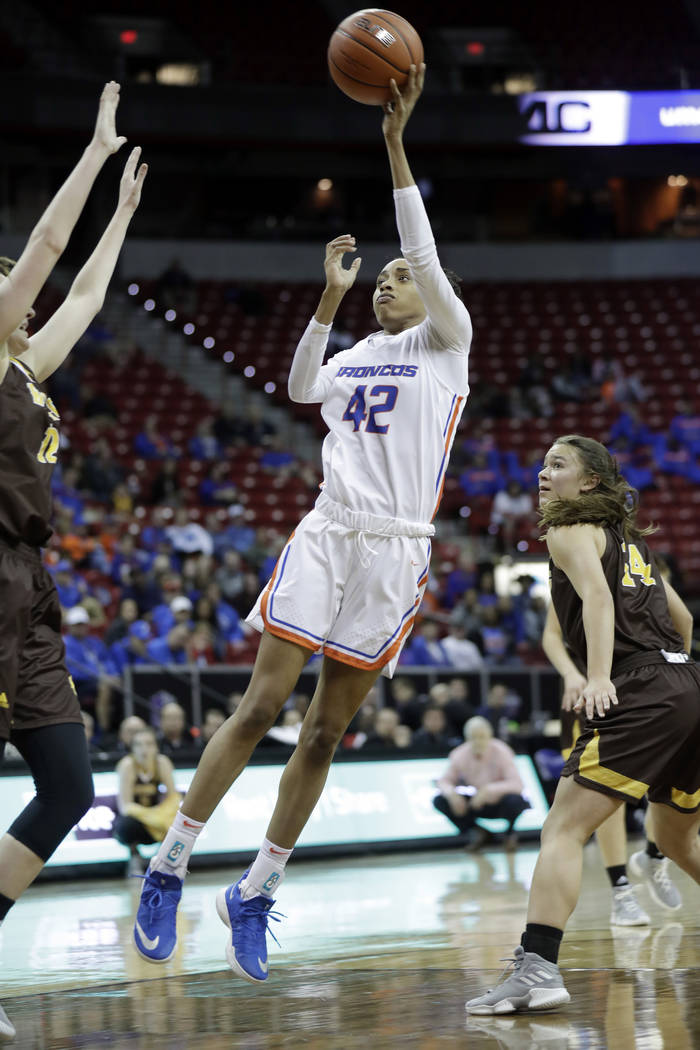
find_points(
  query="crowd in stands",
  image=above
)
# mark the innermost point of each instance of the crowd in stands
(173, 586)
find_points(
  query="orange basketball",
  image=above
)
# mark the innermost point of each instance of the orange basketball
(368, 49)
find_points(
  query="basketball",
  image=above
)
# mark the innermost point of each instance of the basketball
(368, 49)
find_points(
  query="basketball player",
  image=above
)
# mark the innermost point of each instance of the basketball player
(147, 798)
(627, 626)
(351, 577)
(39, 710)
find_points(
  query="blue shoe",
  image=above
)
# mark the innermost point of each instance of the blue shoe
(155, 935)
(246, 948)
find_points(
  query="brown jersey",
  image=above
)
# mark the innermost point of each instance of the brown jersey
(643, 625)
(29, 443)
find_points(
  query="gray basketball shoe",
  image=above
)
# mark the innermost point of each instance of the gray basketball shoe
(534, 984)
(7, 1029)
(654, 871)
(626, 909)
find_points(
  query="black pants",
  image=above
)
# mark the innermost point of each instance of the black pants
(131, 832)
(509, 808)
(60, 765)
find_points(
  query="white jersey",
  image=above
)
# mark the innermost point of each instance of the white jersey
(392, 402)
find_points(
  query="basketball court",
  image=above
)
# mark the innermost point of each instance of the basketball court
(375, 952)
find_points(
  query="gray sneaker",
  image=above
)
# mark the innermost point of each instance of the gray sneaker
(7, 1029)
(654, 871)
(626, 909)
(535, 984)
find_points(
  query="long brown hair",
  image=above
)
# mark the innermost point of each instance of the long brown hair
(612, 502)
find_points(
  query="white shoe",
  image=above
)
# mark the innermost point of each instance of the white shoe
(7, 1029)
(665, 946)
(626, 909)
(628, 942)
(654, 871)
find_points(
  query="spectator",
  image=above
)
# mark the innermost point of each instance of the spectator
(205, 444)
(433, 734)
(501, 708)
(460, 651)
(98, 407)
(176, 609)
(512, 507)
(147, 798)
(101, 473)
(453, 697)
(70, 587)
(425, 648)
(172, 649)
(66, 495)
(150, 443)
(497, 643)
(381, 737)
(165, 487)
(174, 738)
(213, 718)
(125, 733)
(480, 478)
(256, 430)
(133, 649)
(459, 579)
(90, 666)
(406, 701)
(685, 427)
(230, 575)
(119, 628)
(481, 780)
(226, 426)
(217, 489)
(188, 537)
(630, 425)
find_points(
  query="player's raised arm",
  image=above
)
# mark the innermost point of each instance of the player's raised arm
(49, 347)
(51, 234)
(304, 383)
(446, 312)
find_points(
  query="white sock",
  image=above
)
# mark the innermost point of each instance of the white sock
(175, 849)
(266, 871)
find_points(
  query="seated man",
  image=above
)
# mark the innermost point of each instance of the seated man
(481, 780)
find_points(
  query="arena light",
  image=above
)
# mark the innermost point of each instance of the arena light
(128, 36)
(324, 185)
(209, 343)
(270, 387)
(229, 356)
(149, 304)
(249, 371)
(133, 289)
(188, 329)
(170, 315)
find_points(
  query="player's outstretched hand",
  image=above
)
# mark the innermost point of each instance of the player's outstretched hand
(574, 684)
(399, 109)
(132, 181)
(105, 134)
(338, 278)
(598, 696)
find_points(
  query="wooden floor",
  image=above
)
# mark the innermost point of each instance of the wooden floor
(377, 952)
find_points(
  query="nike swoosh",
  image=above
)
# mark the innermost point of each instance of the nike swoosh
(148, 943)
(263, 965)
(279, 852)
(188, 825)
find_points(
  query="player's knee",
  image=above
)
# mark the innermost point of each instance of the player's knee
(255, 716)
(319, 741)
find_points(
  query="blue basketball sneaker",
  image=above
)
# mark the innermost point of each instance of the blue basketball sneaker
(155, 935)
(246, 948)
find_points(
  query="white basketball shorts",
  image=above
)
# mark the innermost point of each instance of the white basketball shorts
(348, 593)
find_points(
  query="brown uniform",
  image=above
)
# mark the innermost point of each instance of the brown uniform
(650, 742)
(35, 688)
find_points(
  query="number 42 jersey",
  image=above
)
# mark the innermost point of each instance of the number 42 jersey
(392, 402)
(29, 441)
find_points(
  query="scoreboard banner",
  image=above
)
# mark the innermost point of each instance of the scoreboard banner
(609, 118)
